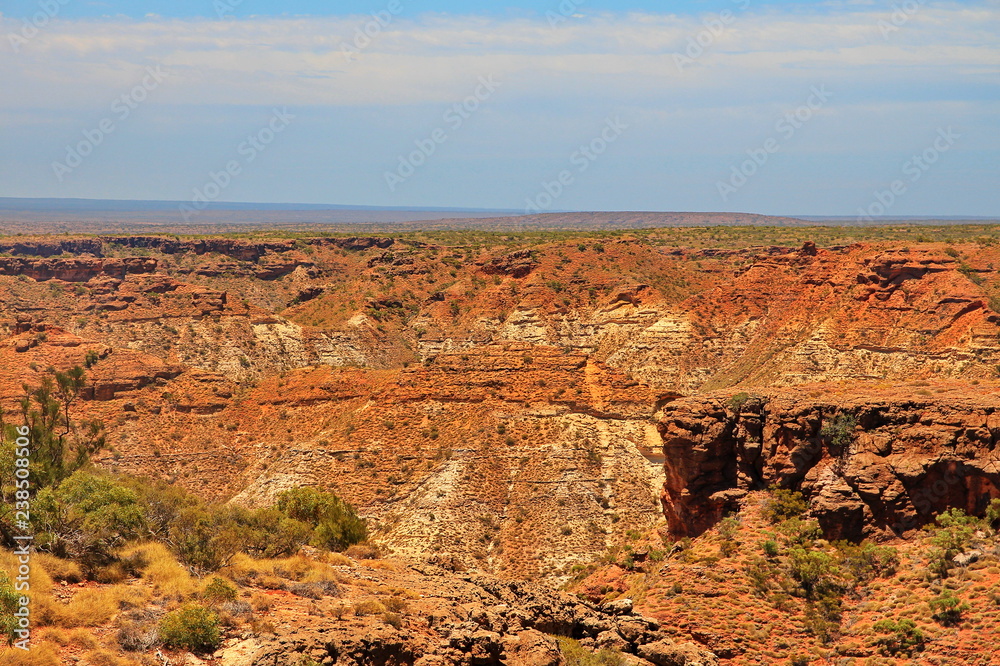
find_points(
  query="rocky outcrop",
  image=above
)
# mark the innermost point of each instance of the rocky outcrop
(239, 249)
(75, 269)
(51, 248)
(872, 462)
(477, 620)
(667, 653)
(517, 264)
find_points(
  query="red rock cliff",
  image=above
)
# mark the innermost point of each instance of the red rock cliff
(872, 461)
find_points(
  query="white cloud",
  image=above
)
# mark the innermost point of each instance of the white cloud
(629, 58)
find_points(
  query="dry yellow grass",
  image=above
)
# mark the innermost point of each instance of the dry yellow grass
(41, 654)
(105, 658)
(80, 638)
(387, 565)
(57, 568)
(89, 607)
(163, 571)
(336, 559)
(268, 572)
(40, 580)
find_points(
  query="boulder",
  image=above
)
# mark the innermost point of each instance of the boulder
(618, 607)
(668, 653)
(532, 648)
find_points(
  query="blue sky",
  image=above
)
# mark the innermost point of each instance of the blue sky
(246, 8)
(783, 108)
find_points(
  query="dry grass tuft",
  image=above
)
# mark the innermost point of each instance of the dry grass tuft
(162, 570)
(57, 568)
(90, 607)
(41, 654)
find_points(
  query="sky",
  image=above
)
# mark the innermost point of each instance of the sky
(863, 108)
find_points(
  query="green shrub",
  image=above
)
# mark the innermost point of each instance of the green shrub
(728, 529)
(800, 532)
(86, 517)
(203, 539)
(219, 590)
(898, 637)
(951, 534)
(816, 572)
(784, 504)
(761, 574)
(268, 533)
(840, 430)
(737, 401)
(8, 606)
(866, 561)
(992, 519)
(191, 627)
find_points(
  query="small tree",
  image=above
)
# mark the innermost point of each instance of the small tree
(953, 531)
(218, 591)
(737, 401)
(335, 523)
(992, 518)
(866, 561)
(87, 516)
(204, 540)
(948, 608)
(60, 446)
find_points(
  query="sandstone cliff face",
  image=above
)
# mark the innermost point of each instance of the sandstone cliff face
(26, 357)
(519, 460)
(822, 315)
(766, 317)
(75, 269)
(680, 320)
(874, 462)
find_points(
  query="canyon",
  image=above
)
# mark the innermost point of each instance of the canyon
(522, 406)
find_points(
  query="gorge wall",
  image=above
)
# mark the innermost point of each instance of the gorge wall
(875, 461)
